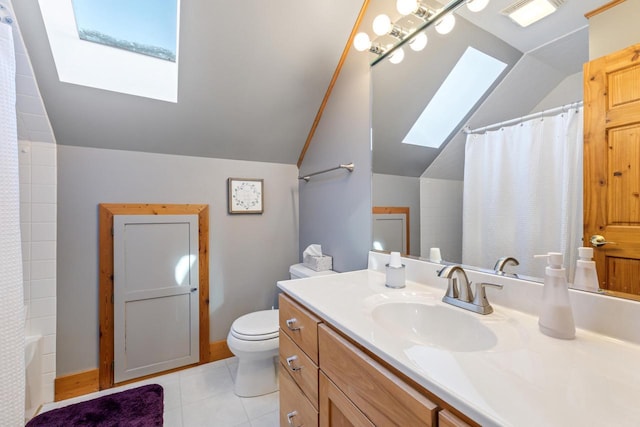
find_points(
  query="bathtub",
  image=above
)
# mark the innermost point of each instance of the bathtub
(33, 375)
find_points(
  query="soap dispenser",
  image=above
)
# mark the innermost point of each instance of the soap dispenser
(586, 276)
(556, 316)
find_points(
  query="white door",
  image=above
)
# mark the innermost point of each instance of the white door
(155, 293)
(390, 231)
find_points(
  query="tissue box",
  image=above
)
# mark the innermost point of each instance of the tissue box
(318, 263)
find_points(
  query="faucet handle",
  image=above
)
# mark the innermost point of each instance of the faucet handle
(480, 298)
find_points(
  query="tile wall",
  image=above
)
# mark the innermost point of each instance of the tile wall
(38, 193)
(38, 227)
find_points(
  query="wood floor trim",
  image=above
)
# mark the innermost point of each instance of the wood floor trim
(219, 350)
(86, 382)
(77, 384)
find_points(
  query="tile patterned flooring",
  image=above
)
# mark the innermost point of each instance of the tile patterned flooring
(203, 397)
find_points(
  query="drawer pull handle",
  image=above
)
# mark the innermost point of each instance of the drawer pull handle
(290, 416)
(290, 324)
(290, 361)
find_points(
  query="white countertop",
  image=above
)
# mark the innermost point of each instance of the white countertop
(524, 379)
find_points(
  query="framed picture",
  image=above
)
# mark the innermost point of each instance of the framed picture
(246, 196)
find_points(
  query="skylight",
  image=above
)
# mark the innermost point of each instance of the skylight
(121, 45)
(147, 27)
(470, 78)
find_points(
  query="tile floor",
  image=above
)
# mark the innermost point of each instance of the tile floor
(203, 397)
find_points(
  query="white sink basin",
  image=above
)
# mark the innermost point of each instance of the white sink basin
(434, 325)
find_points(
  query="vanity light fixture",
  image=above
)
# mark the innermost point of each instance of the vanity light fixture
(446, 24)
(526, 12)
(410, 28)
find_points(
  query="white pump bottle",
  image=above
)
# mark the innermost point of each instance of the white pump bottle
(586, 276)
(556, 316)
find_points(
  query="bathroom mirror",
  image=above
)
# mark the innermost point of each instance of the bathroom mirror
(430, 180)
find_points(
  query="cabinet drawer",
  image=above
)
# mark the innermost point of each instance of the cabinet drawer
(383, 397)
(301, 368)
(300, 325)
(295, 408)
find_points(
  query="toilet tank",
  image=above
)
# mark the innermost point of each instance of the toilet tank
(300, 271)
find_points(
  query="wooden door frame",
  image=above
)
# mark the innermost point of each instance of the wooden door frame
(106, 211)
(390, 210)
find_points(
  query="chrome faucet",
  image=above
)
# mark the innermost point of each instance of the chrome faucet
(501, 263)
(461, 296)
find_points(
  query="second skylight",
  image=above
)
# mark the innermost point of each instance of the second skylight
(474, 73)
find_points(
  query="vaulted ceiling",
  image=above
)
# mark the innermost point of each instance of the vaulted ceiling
(539, 57)
(253, 74)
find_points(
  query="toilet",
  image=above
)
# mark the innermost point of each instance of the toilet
(253, 339)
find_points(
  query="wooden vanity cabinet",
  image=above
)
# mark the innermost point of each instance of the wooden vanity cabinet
(332, 383)
(374, 390)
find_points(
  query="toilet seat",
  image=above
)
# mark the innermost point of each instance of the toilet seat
(256, 326)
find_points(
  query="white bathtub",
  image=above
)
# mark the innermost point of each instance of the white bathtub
(33, 375)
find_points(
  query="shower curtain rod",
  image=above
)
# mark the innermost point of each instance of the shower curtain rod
(540, 114)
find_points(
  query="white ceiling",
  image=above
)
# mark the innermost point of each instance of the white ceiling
(568, 18)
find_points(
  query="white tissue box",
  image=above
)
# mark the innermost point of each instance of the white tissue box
(318, 263)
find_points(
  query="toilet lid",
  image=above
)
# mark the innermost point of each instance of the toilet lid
(256, 326)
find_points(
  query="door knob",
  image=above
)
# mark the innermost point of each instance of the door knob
(598, 240)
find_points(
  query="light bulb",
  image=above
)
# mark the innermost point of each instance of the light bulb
(405, 7)
(477, 5)
(381, 25)
(446, 24)
(397, 56)
(362, 42)
(418, 42)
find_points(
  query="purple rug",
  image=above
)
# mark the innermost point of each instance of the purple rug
(138, 407)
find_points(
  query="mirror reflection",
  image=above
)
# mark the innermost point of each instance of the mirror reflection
(479, 197)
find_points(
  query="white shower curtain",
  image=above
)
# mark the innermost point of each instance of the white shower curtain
(12, 373)
(523, 193)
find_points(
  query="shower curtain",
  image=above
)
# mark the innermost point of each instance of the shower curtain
(12, 371)
(523, 193)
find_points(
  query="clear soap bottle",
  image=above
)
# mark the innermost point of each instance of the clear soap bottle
(556, 316)
(586, 276)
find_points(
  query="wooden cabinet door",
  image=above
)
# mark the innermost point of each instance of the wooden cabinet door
(336, 410)
(383, 397)
(448, 419)
(612, 167)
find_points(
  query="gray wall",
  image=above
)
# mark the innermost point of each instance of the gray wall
(393, 190)
(605, 29)
(248, 253)
(335, 208)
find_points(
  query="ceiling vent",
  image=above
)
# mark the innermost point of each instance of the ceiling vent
(526, 12)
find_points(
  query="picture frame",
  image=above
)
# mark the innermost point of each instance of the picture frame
(245, 196)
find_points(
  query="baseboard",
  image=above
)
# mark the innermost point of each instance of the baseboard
(219, 350)
(86, 382)
(73, 385)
